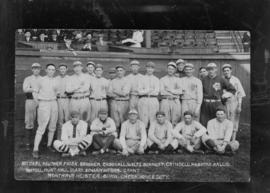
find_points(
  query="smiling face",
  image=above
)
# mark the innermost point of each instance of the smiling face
(132, 117)
(90, 68)
(98, 72)
(50, 71)
(75, 120)
(161, 119)
(135, 68)
(203, 73)
(189, 71)
(120, 72)
(220, 115)
(188, 119)
(36, 71)
(149, 70)
(227, 72)
(171, 70)
(103, 116)
(77, 69)
(62, 70)
(212, 72)
(180, 66)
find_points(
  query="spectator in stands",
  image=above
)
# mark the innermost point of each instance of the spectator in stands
(180, 68)
(34, 34)
(68, 42)
(246, 41)
(27, 36)
(43, 35)
(20, 35)
(54, 37)
(202, 72)
(88, 42)
(136, 40)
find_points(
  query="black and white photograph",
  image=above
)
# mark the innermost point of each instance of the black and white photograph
(132, 105)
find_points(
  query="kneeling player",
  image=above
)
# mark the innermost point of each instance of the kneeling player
(74, 139)
(160, 135)
(103, 131)
(133, 135)
(188, 134)
(219, 133)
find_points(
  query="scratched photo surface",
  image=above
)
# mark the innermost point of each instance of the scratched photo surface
(132, 105)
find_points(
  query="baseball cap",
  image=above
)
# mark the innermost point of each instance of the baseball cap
(76, 63)
(133, 111)
(172, 64)
(150, 64)
(103, 111)
(189, 65)
(135, 62)
(226, 66)
(74, 114)
(160, 113)
(119, 66)
(221, 108)
(99, 66)
(36, 65)
(211, 65)
(180, 61)
(90, 63)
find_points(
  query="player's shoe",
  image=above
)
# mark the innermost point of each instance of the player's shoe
(35, 154)
(95, 152)
(65, 155)
(51, 149)
(82, 153)
(198, 151)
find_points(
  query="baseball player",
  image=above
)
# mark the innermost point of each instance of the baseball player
(78, 87)
(98, 88)
(160, 135)
(104, 133)
(133, 79)
(133, 135)
(192, 92)
(219, 134)
(188, 133)
(62, 98)
(148, 91)
(180, 68)
(47, 108)
(119, 92)
(112, 75)
(74, 139)
(170, 90)
(233, 103)
(90, 67)
(30, 87)
(213, 87)
(202, 72)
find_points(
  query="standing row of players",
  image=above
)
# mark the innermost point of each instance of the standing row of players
(87, 93)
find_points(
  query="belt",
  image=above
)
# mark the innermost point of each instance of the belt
(169, 98)
(80, 97)
(29, 96)
(121, 99)
(100, 99)
(148, 96)
(62, 97)
(211, 100)
(47, 100)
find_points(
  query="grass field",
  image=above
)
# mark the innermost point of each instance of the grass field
(235, 168)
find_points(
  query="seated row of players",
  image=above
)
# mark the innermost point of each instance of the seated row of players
(188, 135)
(87, 93)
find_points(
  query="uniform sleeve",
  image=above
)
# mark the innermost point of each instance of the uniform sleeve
(176, 131)
(241, 92)
(83, 130)
(64, 134)
(156, 89)
(151, 134)
(110, 89)
(141, 87)
(210, 128)
(143, 135)
(162, 87)
(200, 92)
(112, 127)
(127, 87)
(86, 85)
(123, 136)
(178, 89)
(201, 130)
(228, 132)
(26, 85)
(227, 86)
(94, 126)
(70, 87)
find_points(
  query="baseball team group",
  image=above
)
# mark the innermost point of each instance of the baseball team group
(135, 113)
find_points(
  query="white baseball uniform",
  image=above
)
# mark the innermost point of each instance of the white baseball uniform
(133, 81)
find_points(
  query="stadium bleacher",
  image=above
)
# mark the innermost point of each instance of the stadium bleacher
(202, 41)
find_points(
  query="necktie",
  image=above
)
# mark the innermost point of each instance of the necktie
(74, 131)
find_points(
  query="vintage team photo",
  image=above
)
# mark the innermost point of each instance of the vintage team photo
(132, 105)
